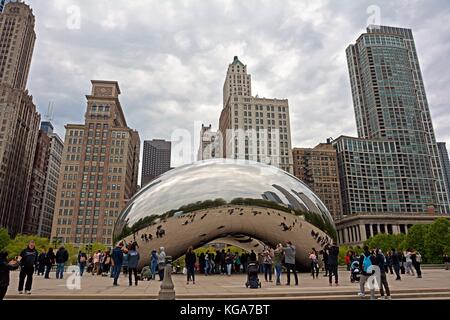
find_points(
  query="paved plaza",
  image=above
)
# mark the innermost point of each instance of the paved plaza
(435, 284)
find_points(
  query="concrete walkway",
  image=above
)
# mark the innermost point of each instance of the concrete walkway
(434, 284)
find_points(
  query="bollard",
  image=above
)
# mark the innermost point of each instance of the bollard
(167, 291)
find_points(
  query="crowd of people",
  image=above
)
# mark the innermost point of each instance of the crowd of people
(271, 262)
(393, 262)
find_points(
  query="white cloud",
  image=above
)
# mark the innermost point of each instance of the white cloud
(170, 58)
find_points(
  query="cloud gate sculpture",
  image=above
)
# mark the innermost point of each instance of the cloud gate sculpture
(243, 203)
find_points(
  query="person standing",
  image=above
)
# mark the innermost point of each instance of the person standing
(207, 265)
(61, 257)
(161, 263)
(117, 260)
(446, 261)
(82, 260)
(366, 260)
(237, 262)
(49, 262)
(125, 261)
(154, 263)
(28, 259)
(133, 261)
(381, 263)
(278, 261)
(41, 263)
(268, 263)
(229, 259)
(96, 260)
(218, 262)
(348, 260)
(389, 262)
(395, 258)
(244, 261)
(253, 256)
(333, 263)
(190, 260)
(106, 264)
(289, 260)
(409, 264)
(5, 268)
(223, 264)
(313, 263)
(416, 259)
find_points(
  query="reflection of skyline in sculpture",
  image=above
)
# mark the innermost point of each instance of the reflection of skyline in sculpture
(225, 199)
(271, 196)
(294, 203)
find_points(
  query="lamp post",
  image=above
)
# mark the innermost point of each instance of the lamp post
(167, 291)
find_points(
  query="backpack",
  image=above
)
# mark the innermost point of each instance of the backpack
(418, 258)
(367, 262)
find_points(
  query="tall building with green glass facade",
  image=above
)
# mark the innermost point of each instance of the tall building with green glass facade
(392, 168)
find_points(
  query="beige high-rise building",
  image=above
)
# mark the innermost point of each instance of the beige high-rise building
(317, 167)
(19, 120)
(17, 38)
(99, 171)
(254, 128)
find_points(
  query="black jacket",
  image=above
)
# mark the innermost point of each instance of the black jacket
(5, 268)
(380, 262)
(333, 256)
(29, 257)
(395, 259)
(191, 258)
(62, 256)
(49, 258)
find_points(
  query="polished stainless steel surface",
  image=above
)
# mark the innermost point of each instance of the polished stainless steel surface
(244, 201)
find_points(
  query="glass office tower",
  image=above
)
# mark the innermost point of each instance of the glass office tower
(393, 166)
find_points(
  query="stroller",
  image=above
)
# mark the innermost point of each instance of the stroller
(355, 272)
(252, 276)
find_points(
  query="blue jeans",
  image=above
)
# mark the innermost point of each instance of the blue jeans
(59, 270)
(116, 272)
(207, 267)
(81, 266)
(268, 270)
(278, 272)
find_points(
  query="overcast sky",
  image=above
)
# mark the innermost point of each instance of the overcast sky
(170, 59)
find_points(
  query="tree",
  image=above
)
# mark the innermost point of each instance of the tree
(416, 237)
(20, 242)
(437, 240)
(4, 238)
(386, 241)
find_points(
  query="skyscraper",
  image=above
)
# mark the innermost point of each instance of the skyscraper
(317, 167)
(52, 171)
(99, 170)
(156, 159)
(392, 169)
(253, 128)
(19, 120)
(445, 162)
(37, 184)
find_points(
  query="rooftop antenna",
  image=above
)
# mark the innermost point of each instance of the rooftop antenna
(49, 115)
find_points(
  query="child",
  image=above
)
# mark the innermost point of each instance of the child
(5, 268)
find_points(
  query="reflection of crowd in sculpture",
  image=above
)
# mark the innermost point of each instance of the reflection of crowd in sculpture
(323, 241)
